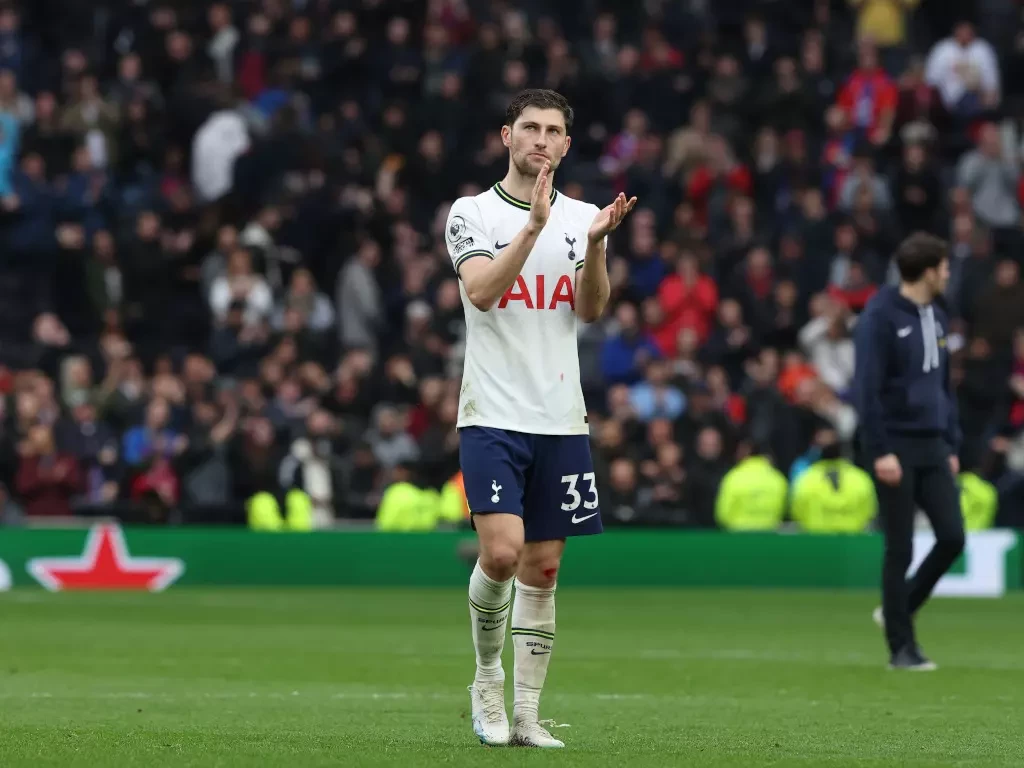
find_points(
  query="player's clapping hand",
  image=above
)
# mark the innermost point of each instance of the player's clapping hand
(540, 200)
(609, 218)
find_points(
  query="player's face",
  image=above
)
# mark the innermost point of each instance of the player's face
(538, 136)
(939, 278)
(943, 277)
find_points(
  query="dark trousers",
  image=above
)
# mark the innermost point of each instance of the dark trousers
(933, 489)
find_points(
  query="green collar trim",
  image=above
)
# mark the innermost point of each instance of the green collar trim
(515, 201)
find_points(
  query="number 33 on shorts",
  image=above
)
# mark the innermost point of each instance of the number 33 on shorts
(573, 498)
(537, 477)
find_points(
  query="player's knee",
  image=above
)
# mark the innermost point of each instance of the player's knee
(549, 574)
(500, 561)
(541, 573)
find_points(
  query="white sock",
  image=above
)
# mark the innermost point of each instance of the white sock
(533, 637)
(489, 601)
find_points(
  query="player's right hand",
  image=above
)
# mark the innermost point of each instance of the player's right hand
(888, 469)
(540, 199)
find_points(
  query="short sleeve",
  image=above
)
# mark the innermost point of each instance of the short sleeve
(464, 233)
(581, 253)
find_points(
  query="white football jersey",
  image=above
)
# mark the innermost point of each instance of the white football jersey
(522, 367)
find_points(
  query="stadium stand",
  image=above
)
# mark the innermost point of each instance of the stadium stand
(222, 276)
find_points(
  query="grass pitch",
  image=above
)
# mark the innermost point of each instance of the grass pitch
(374, 677)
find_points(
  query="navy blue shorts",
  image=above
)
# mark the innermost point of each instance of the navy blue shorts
(548, 480)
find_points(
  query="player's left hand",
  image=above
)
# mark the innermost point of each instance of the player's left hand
(954, 465)
(609, 218)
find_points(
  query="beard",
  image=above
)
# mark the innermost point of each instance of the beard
(523, 166)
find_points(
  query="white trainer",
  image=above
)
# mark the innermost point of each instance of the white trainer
(490, 721)
(533, 734)
(878, 617)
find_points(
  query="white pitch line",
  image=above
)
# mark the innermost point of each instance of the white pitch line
(228, 695)
(450, 697)
(829, 659)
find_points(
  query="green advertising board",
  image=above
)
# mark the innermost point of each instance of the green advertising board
(109, 557)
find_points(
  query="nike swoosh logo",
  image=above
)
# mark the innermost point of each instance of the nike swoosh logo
(491, 629)
(498, 246)
(578, 520)
(535, 652)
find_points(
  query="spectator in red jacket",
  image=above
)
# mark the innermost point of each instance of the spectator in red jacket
(855, 288)
(709, 185)
(46, 480)
(658, 54)
(688, 299)
(837, 153)
(869, 97)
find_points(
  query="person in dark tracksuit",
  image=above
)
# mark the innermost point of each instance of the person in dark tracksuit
(910, 434)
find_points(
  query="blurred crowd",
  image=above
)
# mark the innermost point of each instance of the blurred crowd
(222, 272)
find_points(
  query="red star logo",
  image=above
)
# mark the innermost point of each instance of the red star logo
(106, 564)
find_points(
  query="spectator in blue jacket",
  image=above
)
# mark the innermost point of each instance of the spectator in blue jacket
(656, 398)
(153, 438)
(626, 352)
